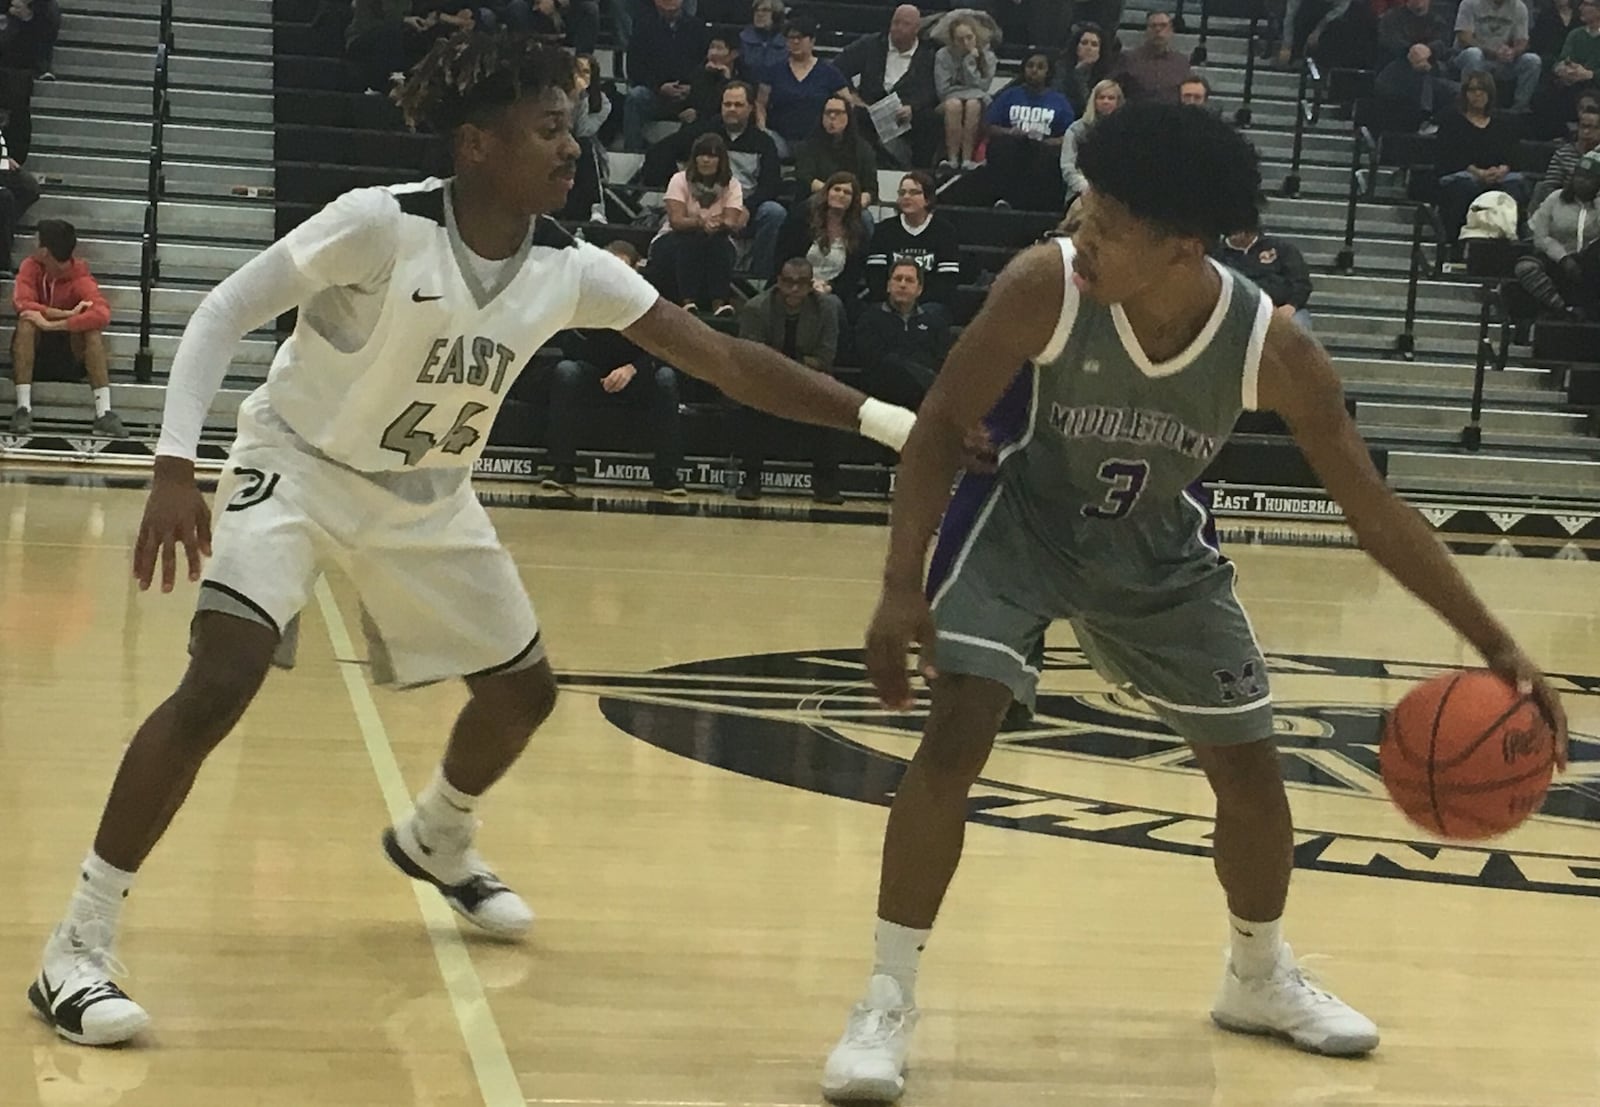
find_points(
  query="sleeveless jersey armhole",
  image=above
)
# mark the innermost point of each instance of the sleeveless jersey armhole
(1069, 309)
(1252, 352)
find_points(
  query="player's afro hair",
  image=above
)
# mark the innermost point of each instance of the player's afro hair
(1182, 168)
(473, 74)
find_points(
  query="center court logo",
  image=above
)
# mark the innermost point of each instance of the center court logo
(809, 720)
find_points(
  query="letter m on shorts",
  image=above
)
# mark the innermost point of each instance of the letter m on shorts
(1241, 687)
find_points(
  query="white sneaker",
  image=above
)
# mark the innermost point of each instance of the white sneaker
(447, 860)
(868, 1065)
(74, 992)
(1288, 1005)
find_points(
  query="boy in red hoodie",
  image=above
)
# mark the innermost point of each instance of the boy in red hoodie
(56, 295)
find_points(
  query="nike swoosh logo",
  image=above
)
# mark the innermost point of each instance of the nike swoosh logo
(418, 298)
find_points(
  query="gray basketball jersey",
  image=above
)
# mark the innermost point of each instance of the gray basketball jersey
(1105, 438)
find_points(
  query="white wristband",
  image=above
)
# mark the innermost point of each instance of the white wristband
(886, 423)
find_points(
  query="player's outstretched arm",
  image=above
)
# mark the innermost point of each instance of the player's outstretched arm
(1299, 382)
(1016, 322)
(760, 377)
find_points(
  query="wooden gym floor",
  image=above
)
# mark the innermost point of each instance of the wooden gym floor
(702, 848)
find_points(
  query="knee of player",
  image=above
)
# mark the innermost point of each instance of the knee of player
(1246, 773)
(520, 700)
(210, 699)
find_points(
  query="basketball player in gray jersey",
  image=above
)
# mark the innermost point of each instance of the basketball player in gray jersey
(1140, 354)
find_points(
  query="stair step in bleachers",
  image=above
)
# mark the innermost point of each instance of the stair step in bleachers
(185, 179)
(133, 102)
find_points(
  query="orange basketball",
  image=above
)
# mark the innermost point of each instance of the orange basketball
(1465, 756)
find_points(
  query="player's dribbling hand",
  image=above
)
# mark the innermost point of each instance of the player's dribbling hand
(902, 618)
(1511, 663)
(176, 513)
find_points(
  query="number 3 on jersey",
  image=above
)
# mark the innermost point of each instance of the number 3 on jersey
(1127, 480)
(403, 437)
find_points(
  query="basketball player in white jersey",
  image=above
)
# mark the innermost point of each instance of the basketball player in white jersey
(418, 306)
(1137, 355)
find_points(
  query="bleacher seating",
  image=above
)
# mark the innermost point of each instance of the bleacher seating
(327, 136)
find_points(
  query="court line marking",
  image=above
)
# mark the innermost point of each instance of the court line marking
(486, 1046)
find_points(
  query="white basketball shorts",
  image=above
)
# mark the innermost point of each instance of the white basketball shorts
(440, 596)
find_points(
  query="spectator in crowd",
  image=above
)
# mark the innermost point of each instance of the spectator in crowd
(803, 323)
(705, 87)
(1107, 98)
(827, 230)
(1473, 153)
(60, 317)
(591, 107)
(897, 61)
(19, 190)
(917, 235)
(836, 147)
(1493, 38)
(1153, 70)
(1275, 265)
(577, 22)
(1563, 274)
(1562, 163)
(963, 69)
(625, 14)
(1575, 71)
(1195, 91)
(1026, 123)
(28, 32)
(1413, 23)
(1413, 90)
(1553, 21)
(693, 253)
(603, 367)
(1086, 62)
(902, 341)
(754, 160)
(1037, 23)
(667, 49)
(793, 92)
(383, 39)
(762, 46)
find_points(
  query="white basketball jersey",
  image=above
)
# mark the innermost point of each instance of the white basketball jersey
(403, 362)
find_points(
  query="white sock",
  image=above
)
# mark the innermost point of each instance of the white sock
(102, 401)
(1255, 946)
(102, 889)
(443, 805)
(898, 950)
(25, 395)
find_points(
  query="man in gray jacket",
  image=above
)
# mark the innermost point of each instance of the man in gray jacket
(792, 316)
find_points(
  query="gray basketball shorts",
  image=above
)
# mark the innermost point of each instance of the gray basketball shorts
(1187, 650)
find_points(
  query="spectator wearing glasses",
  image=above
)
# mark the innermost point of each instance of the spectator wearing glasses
(792, 93)
(836, 147)
(1153, 70)
(917, 235)
(762, 46)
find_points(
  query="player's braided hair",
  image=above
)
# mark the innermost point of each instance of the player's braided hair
(472, 74)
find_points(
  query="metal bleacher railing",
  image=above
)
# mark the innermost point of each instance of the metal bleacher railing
(155, 186)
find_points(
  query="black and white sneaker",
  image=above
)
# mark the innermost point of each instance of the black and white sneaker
(446, 859)
(74, 991)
